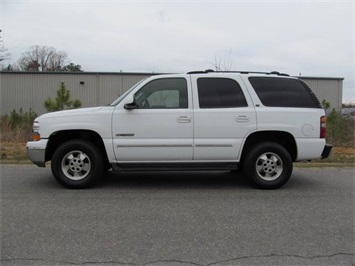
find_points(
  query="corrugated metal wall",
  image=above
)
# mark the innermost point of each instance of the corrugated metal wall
(329, 89)
(30, 89)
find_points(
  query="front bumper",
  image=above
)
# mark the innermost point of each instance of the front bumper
(326, 151)
(36, 151)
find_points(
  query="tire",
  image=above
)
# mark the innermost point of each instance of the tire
(77, 164)
(268, 165)
(107, 167)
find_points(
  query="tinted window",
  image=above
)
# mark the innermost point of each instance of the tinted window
(163, 93)
(220, 93)
(283, 92)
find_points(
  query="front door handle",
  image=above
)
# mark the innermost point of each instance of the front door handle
(183, 119)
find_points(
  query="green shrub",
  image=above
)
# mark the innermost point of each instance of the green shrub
(17, 126)
(340, 129)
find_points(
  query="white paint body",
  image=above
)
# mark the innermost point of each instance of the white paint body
(186, 135)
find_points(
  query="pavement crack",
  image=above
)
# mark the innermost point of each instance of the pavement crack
(97, 262)
(64, 262)
(176, 261)
(281, 255)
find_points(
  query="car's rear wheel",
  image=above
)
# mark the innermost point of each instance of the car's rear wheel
(268, 165)
(77, 164)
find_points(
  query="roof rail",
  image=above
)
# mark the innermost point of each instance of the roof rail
(240, 72)
(279, 74)
(201, 72)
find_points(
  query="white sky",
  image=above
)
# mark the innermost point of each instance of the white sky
(315, 38)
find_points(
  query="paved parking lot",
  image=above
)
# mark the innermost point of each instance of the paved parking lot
(175, 219)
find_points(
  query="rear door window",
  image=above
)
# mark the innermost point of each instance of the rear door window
(220, 93)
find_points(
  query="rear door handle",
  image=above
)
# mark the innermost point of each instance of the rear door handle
(183, 119)
(242, 118)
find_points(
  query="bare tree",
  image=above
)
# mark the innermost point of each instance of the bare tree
(42, 58)
(4, 55)
(223, 63)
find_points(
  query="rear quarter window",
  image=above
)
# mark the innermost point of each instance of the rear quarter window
(284, 92)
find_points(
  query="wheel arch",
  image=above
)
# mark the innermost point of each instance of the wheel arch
(283, 138)
(59, 137)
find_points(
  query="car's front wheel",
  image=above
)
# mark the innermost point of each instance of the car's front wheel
(268, 165)
(77, 164)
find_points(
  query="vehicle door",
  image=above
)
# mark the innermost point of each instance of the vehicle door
(159, 127)
(223, 116)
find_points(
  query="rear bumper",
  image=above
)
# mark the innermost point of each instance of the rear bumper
(36, 151)
(326, 151)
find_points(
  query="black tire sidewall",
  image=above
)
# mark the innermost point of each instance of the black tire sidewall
(254, 154)
(90, 150)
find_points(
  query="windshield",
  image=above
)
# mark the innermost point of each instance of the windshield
(119, 99)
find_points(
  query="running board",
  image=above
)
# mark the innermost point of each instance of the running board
(173, 166)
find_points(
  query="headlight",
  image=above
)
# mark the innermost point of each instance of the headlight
(36, 134)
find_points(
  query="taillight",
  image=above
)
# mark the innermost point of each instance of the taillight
(323, 127)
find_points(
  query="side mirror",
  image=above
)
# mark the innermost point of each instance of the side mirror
(130, 104)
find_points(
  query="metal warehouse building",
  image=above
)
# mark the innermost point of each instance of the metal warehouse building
(30, 89)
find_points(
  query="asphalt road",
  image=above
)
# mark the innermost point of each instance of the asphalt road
(175, 219)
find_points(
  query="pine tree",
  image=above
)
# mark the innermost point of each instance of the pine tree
(62, 101)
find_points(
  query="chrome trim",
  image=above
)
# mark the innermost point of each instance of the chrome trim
(36, 151)
(153, 146)
(174, 146)
(213, 145)
(37, 156)
(125, 135)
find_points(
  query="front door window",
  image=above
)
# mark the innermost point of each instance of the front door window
(169, 93)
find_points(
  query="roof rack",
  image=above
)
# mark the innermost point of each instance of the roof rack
(240, 72)
(201, 72)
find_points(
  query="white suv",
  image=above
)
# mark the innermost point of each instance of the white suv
(259, 122)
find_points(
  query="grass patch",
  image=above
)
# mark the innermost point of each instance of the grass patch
(341, 156)
(13, 153)
(17, 126)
